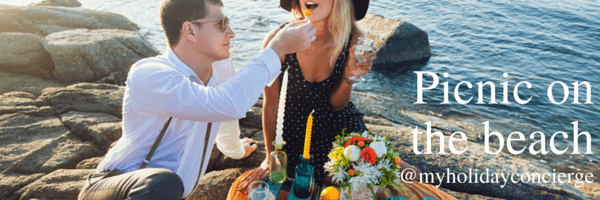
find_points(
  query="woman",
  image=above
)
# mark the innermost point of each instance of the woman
(319, 80)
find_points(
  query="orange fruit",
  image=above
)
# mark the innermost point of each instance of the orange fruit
(330, 193)
(397, 160)
(351, 172)
(307, 12)
(361, 144)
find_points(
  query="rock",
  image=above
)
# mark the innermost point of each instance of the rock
(216, 184)
(114, 78)
(253, 118)
(85, 97)
(60, 184)
(90, 163)
(63, 3)
(24, 103)
(44, 20)
(31, 145)
(39, 144)
(215, 157)
(101, 128)
(397, 41)
(90, 55)
(26, 83)
(11, 182)
(24, 53)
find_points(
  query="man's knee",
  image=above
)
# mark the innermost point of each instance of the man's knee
(165, 178)
(164, 183)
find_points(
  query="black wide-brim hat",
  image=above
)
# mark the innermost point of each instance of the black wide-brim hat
(360, 7)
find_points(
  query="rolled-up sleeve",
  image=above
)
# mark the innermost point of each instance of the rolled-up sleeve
(228, 140)
(157, 88)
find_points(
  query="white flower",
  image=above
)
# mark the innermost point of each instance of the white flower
(385, 164)
(398, 177)
(378, 138)
(340, 175)
(352, 152)
(379, 148)
(369, 173)
(329, 165)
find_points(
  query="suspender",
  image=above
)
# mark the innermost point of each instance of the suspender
(155, 145)
(159, 138)
(208, 127)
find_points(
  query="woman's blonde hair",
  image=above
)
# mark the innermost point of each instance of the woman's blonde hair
(341, 23)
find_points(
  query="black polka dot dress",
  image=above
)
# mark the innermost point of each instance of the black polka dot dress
(303, 97)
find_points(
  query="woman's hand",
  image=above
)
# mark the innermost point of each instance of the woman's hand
(354, 67)
(249, 146)
(256, 175)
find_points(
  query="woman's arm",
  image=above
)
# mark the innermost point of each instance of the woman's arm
(342, 92)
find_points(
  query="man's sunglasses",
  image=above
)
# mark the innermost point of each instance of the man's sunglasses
(224, 21)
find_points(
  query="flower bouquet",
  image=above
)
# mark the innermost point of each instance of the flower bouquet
(360, 163)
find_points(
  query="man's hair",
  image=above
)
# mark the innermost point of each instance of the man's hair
(173, 13)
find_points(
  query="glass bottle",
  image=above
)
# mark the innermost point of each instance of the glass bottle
(278, 164)
(304, 178)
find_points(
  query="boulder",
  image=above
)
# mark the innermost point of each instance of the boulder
(19, 98)
(85, 97)
(216, 184)
(60, 184)
(33, 144)
(24, 53)
(25, 83)
(90, 163)
(44, 20)
(63, 3)
(100, 128)
(11, 182)
(398, 41)
(90, 55)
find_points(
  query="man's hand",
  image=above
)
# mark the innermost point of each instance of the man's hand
(249, 146)
(296, 36)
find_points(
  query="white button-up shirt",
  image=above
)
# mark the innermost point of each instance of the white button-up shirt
(163, 86)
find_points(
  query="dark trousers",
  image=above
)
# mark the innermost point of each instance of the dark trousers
(149, 183)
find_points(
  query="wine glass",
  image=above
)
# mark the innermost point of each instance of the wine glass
(259, 190)
(363, 46)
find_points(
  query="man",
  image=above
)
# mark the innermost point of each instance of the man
(189, 85)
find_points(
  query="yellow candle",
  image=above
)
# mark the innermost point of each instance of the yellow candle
(309, 123)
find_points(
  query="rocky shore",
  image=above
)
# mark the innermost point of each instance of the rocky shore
(61, 74)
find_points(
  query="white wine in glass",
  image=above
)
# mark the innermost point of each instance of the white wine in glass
(363, 46)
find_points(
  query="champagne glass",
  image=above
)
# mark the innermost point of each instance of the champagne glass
(363, 46)
(259, 190)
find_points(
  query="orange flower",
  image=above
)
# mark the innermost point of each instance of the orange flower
(397, 160)
(361, 144)
(369, 155)
(355, 139)
(351, 172)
